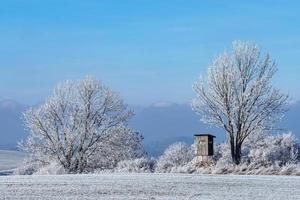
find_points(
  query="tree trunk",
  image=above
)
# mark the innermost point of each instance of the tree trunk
(236, 151)
(232, 148)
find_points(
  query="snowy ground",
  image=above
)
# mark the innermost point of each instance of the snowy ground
(149, 187)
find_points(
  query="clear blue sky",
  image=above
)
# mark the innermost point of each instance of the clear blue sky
(147, 50)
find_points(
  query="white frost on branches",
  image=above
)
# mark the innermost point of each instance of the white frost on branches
(81, 126)
(237, 95)
(175, 155)
(262, 155)
(266, 154)
(119, 144)
(139, 165)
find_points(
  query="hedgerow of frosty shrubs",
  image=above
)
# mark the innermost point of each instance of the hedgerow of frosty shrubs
(53, 168)
(262, 154)
(28, 167)
(281, 149)
(146, 165)
(175, 157)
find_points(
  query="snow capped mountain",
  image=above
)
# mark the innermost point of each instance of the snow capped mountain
(10, 105)
(164, 123)
(162, 104)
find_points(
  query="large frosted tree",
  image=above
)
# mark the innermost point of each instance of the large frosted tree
(237, 95)
(82, 125)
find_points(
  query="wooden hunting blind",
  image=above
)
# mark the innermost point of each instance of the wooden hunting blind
(204, 145)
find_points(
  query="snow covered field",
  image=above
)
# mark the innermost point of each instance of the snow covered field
(149, 187)
(10, 159)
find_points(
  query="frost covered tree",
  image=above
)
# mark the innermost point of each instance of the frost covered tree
(237, 95)
(79, 123)
(121, 143)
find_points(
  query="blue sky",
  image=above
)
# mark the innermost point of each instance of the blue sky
(147, 50)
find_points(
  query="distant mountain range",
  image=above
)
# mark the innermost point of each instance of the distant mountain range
(161, 124)
(165, 123)
(11, 126)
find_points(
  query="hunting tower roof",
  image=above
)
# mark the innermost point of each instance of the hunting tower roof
(209, 135)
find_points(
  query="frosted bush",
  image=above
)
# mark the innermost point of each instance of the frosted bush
(176, 155)
(193, 167)
(290, 169)
(222, 154)
(31, 166)
(28, 168)
(137, 165)
(261, 155)
(53, 168)
(282, 149)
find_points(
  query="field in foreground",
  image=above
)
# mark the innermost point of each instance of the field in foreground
(150, 187)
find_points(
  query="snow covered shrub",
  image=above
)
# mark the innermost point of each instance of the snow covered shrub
(28, 168)
(222, 154)
(281, 149)
(31, 166)
(262, 154)
(137, 165)
(53, 168)
(193, 167)
(290, 169)
(176, 155)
